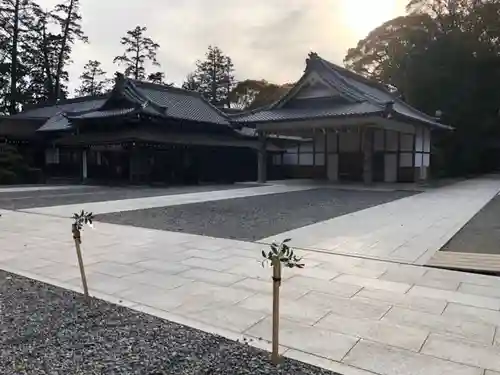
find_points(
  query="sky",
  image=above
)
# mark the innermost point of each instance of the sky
(266, 39)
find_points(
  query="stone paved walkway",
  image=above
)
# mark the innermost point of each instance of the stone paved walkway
(352, 315)
(164, 201)
(408, 230)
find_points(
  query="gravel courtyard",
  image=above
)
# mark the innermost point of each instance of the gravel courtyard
(48, 330)
(253, 218)
(87, 194)
(481, 234)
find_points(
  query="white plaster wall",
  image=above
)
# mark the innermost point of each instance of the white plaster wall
(290, 158)
(391, 141)
(333, 167)
(427, 140)
(406, 160)
(391, 165)
(52, 156)
(419, 140)
(332, 141)
(406, 142)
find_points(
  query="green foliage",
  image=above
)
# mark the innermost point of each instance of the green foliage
(82, 218)
(282, 253)
(93, 80)
(139, 50)
(35, 46)
(444, 55)
(13, 168)
(252, 94)
(213, 77)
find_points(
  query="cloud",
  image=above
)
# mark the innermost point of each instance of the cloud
(266, 39)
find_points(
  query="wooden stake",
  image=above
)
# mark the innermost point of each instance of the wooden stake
(276, 310)
(78, 241)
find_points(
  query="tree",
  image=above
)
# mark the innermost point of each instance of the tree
(252, 94)
(16, 18)
(444, 55)
(67, 16)
(158, 78)
(213, 77)
(139, 50)
(191, 83)
(93, 81)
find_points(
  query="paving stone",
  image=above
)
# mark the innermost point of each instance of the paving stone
(378, 331)
(471, 278)
(212, 277)
(287, 290)
(204, 254)
(483, 356)
(25, 263)
(318, 273)
(321, 342)
(104, 283)
(374, 283)
(474, 314)
(160, 280)
(294, 310)
(458, 297)
(406, 301)
(403, 274)
(59, 272)
(215, 265)
(326, 363)
(162, 266)
(369, 309)
(114, 269)
(331, 287)
(439, 283)
(474, 331)
(487, 291)
(387, 360)
(233, 318)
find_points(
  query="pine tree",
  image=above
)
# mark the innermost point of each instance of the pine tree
(16, 19)
(158, 78)
(139, 50)
(214, 76)
(67, 16)
(93, 81)
(191, 83)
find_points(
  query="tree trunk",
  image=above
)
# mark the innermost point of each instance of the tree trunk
(60, 58)
(13, 68)
(46, 63)
(137, 61)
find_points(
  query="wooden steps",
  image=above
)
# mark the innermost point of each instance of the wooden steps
(466, 261)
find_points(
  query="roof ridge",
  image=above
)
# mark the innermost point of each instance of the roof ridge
(65, 101)
(163, 87)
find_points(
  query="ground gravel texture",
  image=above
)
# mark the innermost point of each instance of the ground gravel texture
(48, 330)
(481, 234)
(87, 194)
(254, 218)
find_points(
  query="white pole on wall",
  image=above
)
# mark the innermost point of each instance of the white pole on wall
(84, 164)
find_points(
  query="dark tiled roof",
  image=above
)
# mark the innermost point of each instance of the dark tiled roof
(366, 97)
(46, 111)
(162, 138)
(100, 113)
(152, 99)
(57, 122)
(182, 104)
(346, 110)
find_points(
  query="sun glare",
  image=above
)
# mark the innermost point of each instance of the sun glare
(362, 16)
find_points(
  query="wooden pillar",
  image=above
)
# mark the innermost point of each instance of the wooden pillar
(314, 153)
(262, 159)
(84, 165)
(367, 142)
